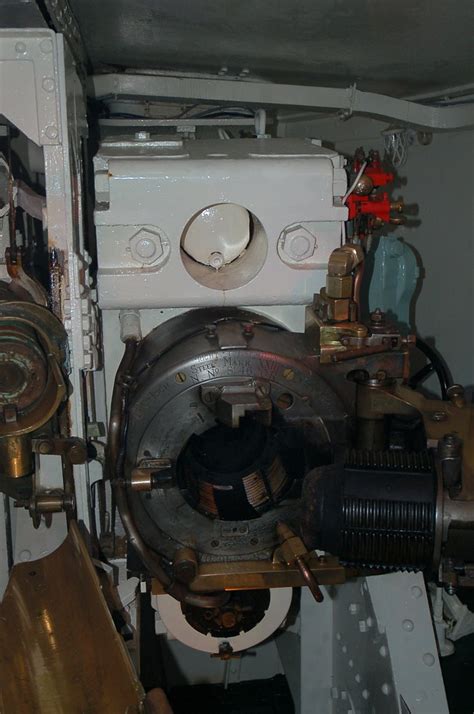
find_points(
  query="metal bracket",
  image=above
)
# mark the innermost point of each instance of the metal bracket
(266, 94)
(231, 402)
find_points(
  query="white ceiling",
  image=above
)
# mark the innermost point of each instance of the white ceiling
(399, 48)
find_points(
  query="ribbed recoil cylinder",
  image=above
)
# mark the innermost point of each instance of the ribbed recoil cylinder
(376, 511)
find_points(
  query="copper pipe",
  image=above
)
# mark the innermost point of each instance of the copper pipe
(359, 274)
(114, 460)
(310, 579)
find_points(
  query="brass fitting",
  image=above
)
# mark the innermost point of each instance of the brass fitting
(294, 551)
(345, 259)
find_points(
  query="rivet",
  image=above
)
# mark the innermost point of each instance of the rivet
(51, 132)
(344, 648)
(428, 659)
(370, 621)
(408, 625)
(48, 84)
(386, 688)
(365, 694)
(20, 47)
(416, 591)
(25, 555)
(362, 626)
(354, 608)
(383, 651)
(46, 46)
(358, 678)
(420, 696)
(351, 663)
(338, 636)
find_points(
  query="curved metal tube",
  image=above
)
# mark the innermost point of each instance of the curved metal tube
(114, 460)
(359, 275)
(439, 367)
(309, 579)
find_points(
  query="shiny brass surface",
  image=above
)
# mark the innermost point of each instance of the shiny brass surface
(329, 338)
(333, 309)
(256, 574)
(15, 456)
(343, 260)
(339, 286)
(149, 474)
(59, 650)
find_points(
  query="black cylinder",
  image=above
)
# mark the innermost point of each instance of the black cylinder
(376, 511)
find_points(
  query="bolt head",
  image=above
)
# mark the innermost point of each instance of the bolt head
(297, 243)
(377, 316)
(216, 260)
(146, 246)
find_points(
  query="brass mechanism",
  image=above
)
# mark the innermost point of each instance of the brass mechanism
(32, 385)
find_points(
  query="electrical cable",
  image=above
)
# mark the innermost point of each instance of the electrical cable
(355, 182)
(437, 364)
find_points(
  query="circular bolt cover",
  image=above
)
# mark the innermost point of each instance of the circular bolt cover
(146, 246)
(297, 243)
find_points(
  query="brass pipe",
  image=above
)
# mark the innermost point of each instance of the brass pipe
(359, 274)
(310, 579)
(115, 455)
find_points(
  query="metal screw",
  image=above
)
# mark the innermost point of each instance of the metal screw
(439, 416)
(377, 317)
(211, 395)
(262, 389)
(288, 374)
(216, 260)
(284, 401)
(180, 377)
(45, 447)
